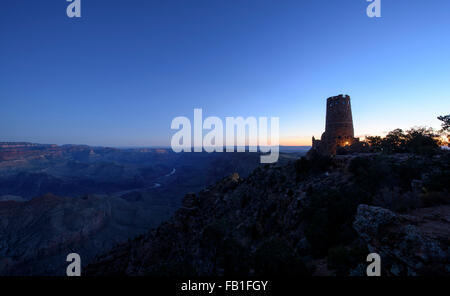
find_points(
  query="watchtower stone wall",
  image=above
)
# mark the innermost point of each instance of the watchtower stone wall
(338, 127)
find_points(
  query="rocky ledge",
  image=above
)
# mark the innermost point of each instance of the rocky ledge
(318, 216)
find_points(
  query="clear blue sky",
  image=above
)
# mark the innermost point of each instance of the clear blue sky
(122, 72)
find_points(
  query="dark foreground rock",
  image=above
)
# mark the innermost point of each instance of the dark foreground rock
(413, 244)
(320, 216)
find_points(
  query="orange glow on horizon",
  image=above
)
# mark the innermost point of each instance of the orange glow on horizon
(295, 141)
(307, 141)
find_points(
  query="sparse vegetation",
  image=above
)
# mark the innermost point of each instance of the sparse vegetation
(343, 259)
(445, 127)
(423, 141)
(316, 163)
(445, 122)
(292, 219)
(274, 257)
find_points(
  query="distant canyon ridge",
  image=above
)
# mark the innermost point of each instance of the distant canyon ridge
(55, 200)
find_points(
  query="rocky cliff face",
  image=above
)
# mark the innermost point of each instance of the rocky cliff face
(32, 170)
(99, 197)
(412, 244)
(18, 151)
(321, 216)
(37, 235)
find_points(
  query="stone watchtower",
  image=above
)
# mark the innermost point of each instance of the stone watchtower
(338, 128)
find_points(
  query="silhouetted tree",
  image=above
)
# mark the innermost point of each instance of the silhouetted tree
(417, 140)
(445, 126)
(375, 143)
(422, 141)
(445, 122)
(394, 142)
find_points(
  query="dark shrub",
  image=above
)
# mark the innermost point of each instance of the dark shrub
(375, 143)
(422, 141)
(397, 201)
(418, 140)
(233, 258)
(371, 174)
(329, 217)
(343, 259)
(438, 180)
(215, 231)
(315, 164)
(431, 199)
(394, 142)
(275, 258)
(407, 171)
